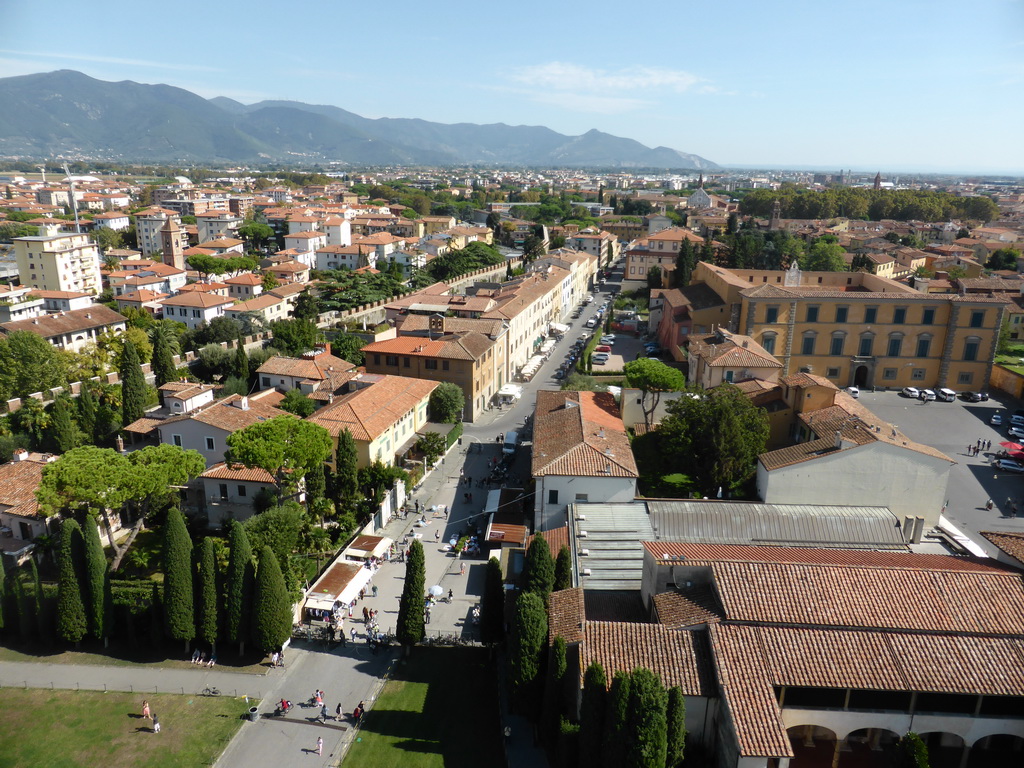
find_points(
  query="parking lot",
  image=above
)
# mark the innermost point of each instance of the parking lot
(950, 427)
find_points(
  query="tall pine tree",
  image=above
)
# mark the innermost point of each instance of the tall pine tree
(240, 362)
(207, 615)
(592, 715)
(163, 357)
(62, 432)
(241, 584)
(539, 568)
(563, 569)
(316, 484)
(72, 624)
(346, 473)
(410, 626)
(88, 405)
(529, 634)
(133, 385)
(94, 590)
(686, 262)
(179, 612)
(616, 712)
(272, 607)
(676, 719)
(646, 724)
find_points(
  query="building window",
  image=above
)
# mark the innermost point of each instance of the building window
(866, 341)
(895, 345)
(965, 377)
(812, 313)
(889, 373)
(841, 314)
(768, 342)
(444, 365)
(870, 314)
(552, 497)
(391, 360)
(832, 373)
(899, 315)
(223, 490)
(838, 339)
(266, 381)
(928, 316)
(771, 315)
(807, 345)
(406, 362)
(209, 443)
(977, 319)
(376, 359)
(917, 374)
(971, 348)
(924, 344)
(729, 376)
(430, 365)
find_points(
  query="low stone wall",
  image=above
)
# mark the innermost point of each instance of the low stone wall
(1008, 381)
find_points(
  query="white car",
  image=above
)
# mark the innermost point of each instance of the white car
(609, 340)
(854, 392)
(913, 392)
(599, 358)
(1007, 465)
(996, 420)
(1015, 431)
(927, 394)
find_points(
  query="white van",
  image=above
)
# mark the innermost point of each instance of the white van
(946, 395)
(511, 441)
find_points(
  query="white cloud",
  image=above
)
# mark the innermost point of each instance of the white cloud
(587, 102)
(562, 76)
(84, 57)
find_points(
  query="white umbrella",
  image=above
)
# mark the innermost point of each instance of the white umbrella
(436, 590)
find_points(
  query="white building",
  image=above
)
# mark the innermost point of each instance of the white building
(59, 262)
(148, 224)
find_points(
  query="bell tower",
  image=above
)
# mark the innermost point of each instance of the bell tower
(170, 243)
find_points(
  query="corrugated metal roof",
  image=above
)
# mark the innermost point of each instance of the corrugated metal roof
(614, 533)
(795, 525)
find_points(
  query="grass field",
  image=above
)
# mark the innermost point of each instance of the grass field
(439, 710)
(252, 663)
(73, 729)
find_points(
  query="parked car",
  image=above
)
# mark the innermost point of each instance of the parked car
(1007, 465)
(608, 338)
(1015, 431)
(913, 392)
(603, 348)
(1017, 417)
(591, 322)
(974, 397)
(600, 358)
(996, 420)
(853, 392)
(927, 394)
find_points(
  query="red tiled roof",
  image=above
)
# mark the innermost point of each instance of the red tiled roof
(580, 434)
(566, 614)
(239, 473)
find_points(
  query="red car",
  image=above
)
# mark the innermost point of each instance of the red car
(602, 348)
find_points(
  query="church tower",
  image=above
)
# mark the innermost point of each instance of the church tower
(170, 243)
(878, 180)
(775, 223)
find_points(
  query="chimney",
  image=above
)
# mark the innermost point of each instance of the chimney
(839, 440)
(242, 403)
(20, 455)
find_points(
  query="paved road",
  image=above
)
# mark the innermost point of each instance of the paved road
(950, 427)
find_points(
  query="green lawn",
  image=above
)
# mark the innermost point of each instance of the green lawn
(1012, 362)
(439, 710)
(252, 664)
(68, 729)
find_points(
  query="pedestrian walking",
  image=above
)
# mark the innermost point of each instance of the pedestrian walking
(320, 745)
(989, 505)
(437, 535)
(337, 712)
(145, 710)
(462, 569)
(366, 615)
(374, 590)
(323, 712)
(988, 445)
(353, 633)
(156, 724)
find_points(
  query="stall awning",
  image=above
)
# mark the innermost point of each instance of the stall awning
(511, 390)
(322, 602)
(351, 591)
(559, 327)
(368, 546)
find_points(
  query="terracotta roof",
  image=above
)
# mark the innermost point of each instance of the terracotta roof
(580, 434)
(197, 299)
(566, 614)
(18, 483)
(313, 369)
(737, 351)
(73, 321)
(801, 379)
(370, 411)
(225, 415)
(556, 539)
(491, 327)
(1010, 542)
(238, 473)
(465, 345)
(687, 607)
(678, 658)
(183, 390)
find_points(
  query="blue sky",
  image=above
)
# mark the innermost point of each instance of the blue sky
(893, 85)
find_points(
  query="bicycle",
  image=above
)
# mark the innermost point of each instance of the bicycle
(211, 691)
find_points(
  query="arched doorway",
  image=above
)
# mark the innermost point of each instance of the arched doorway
(813, 746)
(997, 749)
(860, 376)
(945, 750)
(867, 747)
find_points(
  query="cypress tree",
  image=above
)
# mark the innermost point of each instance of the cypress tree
(94, 590)
(316, 484)
(646, 724)
(529, 633)
(554, 688)
(240, 363)
(62, 432)
(272, 607)
(133, 385)
(240, 586)
(592, 715)
(163, 358)
(71, 622)
(179, 614)
(156, 616)
(492, 604)
(206, 594)
(676, 719)
(346, 472)
(563, 569)
(539, 568)
(616, 712)
(410, 625)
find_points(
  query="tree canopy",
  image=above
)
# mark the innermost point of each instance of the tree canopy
(294, 336)
(862, 203)
(29, 363)
(652, 377)
(284, 446)
(447, 402)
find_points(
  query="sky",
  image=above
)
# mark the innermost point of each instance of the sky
(892, 85)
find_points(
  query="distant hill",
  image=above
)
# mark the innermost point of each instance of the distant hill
(66, 112)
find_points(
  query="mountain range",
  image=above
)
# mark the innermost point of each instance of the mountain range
(71, 114)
